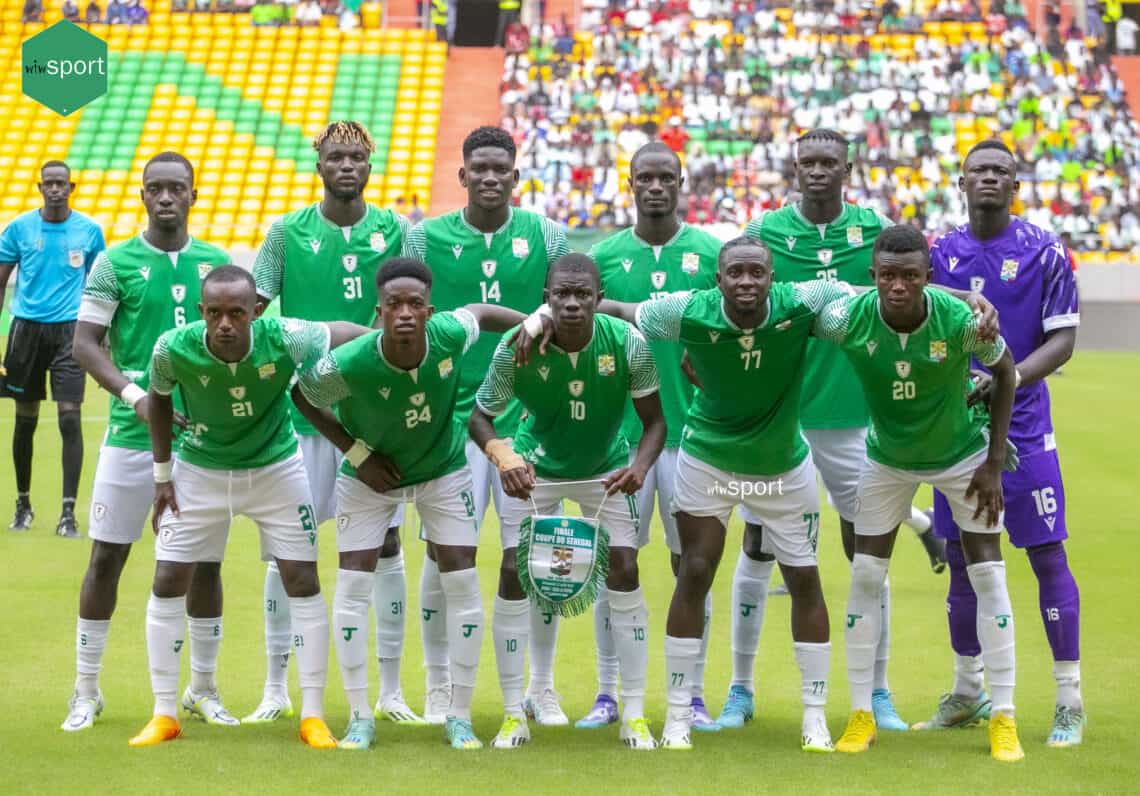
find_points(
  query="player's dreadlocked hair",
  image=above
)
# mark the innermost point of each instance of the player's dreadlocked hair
(575, 263)
(346, 132)
(744, 241)
(170, 157)
(494, 137)
(399, 267)
(989, 143)
(901, 239)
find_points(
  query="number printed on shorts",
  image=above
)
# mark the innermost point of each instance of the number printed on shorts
(468, 502)
(1046, 501)
(306, 513)
(902, 390)
(812, 521)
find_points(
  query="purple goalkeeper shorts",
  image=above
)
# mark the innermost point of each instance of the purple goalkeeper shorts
(1034, 504)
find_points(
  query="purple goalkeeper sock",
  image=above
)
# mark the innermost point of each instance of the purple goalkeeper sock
(1059, 598)
(961, 604)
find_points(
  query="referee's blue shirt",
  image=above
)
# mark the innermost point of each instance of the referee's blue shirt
(52, 261)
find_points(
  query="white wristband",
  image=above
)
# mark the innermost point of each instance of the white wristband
(358, 453)
(533, 324)
(132, 394)
(164, 471)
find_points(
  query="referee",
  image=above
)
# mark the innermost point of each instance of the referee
(53, 249)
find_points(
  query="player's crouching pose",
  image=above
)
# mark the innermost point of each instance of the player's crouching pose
(911, 349)
(240, 456)
(395, 392)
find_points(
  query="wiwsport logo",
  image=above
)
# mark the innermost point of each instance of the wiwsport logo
(64, 68)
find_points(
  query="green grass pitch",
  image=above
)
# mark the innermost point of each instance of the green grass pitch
(1096, 413)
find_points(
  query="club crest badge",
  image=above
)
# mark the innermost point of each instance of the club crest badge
(825, 256)
(238, 392)
(349, 262)
(179, 293)
(418, 399)
(576, 387)
(658, 279)
(747, 341)
(977, 284)
(902, 368)
(488, 268)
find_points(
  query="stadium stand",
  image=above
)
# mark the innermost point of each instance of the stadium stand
(913, 85)
(242, 102)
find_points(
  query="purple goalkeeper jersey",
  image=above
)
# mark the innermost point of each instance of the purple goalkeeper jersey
(1025, 274)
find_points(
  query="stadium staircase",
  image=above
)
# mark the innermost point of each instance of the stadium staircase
(243, 103)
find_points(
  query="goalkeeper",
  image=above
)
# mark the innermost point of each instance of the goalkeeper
(568, 446)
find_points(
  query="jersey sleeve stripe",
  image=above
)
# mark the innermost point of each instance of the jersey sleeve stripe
(1065, 321)
(97, 311)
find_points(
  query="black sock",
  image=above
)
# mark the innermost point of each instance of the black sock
(22, 439)
(71, 430)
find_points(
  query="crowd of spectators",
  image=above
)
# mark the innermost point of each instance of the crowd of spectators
(131, 12)
(729, 84)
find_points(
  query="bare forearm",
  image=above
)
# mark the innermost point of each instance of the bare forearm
(87, 348)
(341, 332)
(161, 414)
(653, 431)
(481, 428)
(323, 421)
(625, 310)
(1052, 354)
(493, 318)
(1001, 407)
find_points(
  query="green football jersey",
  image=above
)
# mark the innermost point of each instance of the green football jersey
(506, 267)
(634, 271)
(746, 419)
(840, 250)
(915, 382)
(407, 415)
(238, 411)
(138, 292)
(573, 402)
(323, 272)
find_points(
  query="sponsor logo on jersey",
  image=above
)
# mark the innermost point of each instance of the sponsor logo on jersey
(237, 392)
(203, 269)
(714, 336)
(606, 365)
(952, 264)
(977, 283)
(824, 256)
(204, 379)
(576, 387)
(690, 262)
(746, 342)
(179, 292)
(145, 271)
(376, 242)
(418, 399)
(457, 250)
(854, 236)
(315, 245)
(627, 264)
(520, 247)
(938, 350)
(658, 279)
(445, 368)
(790, 241)
(267, 371)
(902, 367)
(544, 372)
(871, 346)
(385, 391)
(75, 258)
(1009, 270)
(349, 262)
(488, 268)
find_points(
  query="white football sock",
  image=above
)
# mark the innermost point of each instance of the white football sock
(90, 640)
(433, 624)
(968, 677)
(350, 627)
(311, 643)
(629, 618)
(1068, 677)
(389, 597)
(861, 631)
(465, 627)
(604, 639)
(995, 631)
(205, 640)
(165, 633)
(278, 632)
(680, 660)
(883, 650)
(511, 632)
(702, 656)
(749, 597)
(814, 661)
(543, 645)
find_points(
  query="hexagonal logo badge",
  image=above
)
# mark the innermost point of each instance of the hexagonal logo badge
(64, 67)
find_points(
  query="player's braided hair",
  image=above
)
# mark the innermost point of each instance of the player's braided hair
(744, 241)
(576, 263)
(345, 132)
(901, 239)
(825, 135)
(399, 267)
(494, 137)
(170, 157)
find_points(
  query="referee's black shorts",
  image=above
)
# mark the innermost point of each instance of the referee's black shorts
(34, 350)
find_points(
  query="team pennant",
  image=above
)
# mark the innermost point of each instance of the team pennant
(562, 562)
